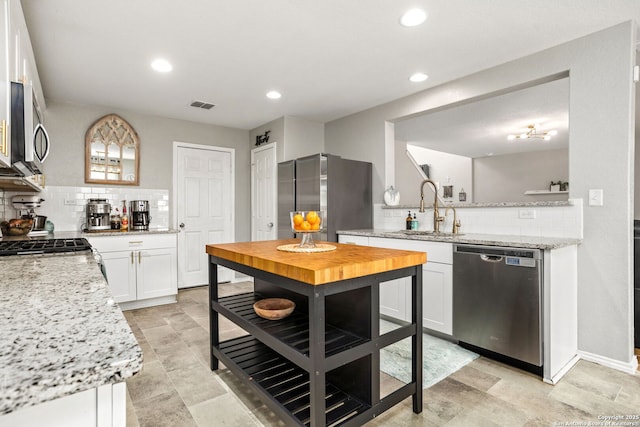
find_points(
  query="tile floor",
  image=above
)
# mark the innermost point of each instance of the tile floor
(176, 387)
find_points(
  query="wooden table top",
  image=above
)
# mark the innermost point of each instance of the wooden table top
(345, 262)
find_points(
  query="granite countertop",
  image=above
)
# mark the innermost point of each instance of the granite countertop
(532, 242)
(61, 331)
(548, 203)
(78, 234)
(126, 233)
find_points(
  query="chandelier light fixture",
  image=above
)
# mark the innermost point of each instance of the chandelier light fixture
(532, 133)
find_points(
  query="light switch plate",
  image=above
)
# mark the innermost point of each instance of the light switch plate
(527, 214)
(596, 197)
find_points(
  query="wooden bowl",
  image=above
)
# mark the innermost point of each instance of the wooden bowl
(274, 308)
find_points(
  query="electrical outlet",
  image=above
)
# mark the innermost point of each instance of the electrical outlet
(527, 214)
(596, 197)
(69, 201)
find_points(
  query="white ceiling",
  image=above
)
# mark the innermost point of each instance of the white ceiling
(328, 58)
(480, 128)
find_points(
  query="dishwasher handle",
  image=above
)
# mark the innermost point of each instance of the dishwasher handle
(491, 258)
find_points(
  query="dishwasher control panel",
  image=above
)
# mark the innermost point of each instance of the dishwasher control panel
(520, 262)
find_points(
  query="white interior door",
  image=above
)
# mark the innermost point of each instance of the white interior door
(204, 208)
(263, 192)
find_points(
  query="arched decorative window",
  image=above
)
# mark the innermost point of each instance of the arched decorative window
(112, 152)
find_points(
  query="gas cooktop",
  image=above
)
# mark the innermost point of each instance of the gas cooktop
(43, 246)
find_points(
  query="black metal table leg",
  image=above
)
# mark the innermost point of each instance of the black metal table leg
(317, 376)
(375, 334)
(213, 314)
(416, 340)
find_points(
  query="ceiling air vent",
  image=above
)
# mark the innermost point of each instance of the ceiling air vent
(202, 104)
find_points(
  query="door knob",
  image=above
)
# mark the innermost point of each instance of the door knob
(270, 225)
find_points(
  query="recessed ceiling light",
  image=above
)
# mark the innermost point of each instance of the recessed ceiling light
(418, 77)
(274, 95)
(161, 66)
(413, 17)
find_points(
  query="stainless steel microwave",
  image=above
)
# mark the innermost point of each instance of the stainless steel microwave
(29, 138)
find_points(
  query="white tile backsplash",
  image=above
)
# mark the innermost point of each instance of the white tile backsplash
(549, 221)
(66, 206)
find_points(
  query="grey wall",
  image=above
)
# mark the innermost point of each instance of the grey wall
(302, 137)
(601, 113)
(408, 182)
(295, 137)
(276, 135)
(68, 123)
(506, 178)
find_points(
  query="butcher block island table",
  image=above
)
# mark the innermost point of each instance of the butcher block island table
(320, 365)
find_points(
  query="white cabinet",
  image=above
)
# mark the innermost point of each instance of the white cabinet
(437, 296)
(5, 85)
(105, 406)
(394, 294)
(22, 64)
(437, 282)
(141, 269)
(17, 63)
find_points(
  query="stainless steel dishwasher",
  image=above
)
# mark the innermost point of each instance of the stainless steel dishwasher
(497, 294)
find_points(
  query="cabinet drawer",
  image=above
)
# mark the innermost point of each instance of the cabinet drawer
(436, 251)
(132, 242)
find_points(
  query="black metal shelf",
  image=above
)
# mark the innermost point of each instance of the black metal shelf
(277, 378)
(292, 330)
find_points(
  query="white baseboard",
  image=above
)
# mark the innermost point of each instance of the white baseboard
(561, 372)
(630, 367)
(133, 305)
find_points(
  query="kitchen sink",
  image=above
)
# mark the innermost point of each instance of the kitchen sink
(429, 233)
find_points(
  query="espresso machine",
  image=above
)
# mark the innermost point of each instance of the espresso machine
(140, 217)
(98, 215)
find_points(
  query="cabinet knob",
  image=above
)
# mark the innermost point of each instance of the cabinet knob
(270, 225)
(181, 225)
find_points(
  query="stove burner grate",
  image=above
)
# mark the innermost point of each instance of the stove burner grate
(44, 246)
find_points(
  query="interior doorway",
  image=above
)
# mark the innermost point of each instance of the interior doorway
(203, 208)
(264, 181)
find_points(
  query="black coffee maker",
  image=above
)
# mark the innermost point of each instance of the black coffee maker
(139, 217)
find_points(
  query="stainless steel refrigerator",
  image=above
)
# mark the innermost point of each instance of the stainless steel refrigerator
(340, 187)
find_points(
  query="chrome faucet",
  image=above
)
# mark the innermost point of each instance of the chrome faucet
(456, 221)
(437, 219)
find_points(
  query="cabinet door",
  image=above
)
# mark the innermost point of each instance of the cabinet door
(5, 85)
(121, 274)
(393, 298)
(437, 297)
(157, 276)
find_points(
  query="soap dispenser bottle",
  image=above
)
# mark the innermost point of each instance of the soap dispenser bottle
(414, 222)
(409, 221)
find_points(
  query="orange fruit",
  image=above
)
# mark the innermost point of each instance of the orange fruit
(305, 226)
(297, 220)
(315, 226)
(313, 217)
